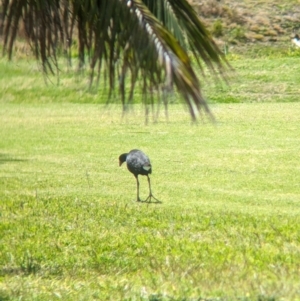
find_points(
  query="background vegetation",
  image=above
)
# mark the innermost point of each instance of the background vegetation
(238, 22)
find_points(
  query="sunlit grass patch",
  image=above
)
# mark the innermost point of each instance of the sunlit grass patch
(227, 227)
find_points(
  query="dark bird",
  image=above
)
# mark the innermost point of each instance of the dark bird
(138, 164)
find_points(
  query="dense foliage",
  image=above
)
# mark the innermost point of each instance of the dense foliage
(126, 39)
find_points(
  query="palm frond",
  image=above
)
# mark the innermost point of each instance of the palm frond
(168, 56)
(191, 34)
(143, 40)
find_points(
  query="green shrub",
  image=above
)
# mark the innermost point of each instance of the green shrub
(217, 29)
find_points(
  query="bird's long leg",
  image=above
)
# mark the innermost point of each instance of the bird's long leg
(150, 193)
(137, 189)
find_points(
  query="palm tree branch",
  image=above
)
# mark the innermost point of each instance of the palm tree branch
(127, 38)
(171, 56)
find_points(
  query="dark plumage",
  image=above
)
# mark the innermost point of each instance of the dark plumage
(138, 164)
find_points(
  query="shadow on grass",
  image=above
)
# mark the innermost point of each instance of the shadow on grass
(26, 268)
(150, 202)
(4, 158)
(4, 297)
(11, 271)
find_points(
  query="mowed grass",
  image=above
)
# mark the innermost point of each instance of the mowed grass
(228, 227)
(266, 74)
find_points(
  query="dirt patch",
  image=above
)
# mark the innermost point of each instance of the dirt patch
(243, 21)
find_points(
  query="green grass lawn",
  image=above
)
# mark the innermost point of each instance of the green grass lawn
(265, 75)
(228, 227)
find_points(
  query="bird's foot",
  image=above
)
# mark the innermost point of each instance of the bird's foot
(150, 196)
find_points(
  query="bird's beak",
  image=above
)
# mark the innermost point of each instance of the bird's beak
(120, 163)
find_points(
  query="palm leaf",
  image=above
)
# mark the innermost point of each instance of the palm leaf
(145, 41)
